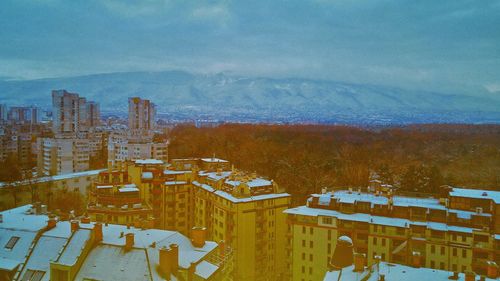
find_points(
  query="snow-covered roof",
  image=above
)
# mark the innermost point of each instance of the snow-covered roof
(109, 262)
(174, 172)
(148, 162)
(476, 193)
(74, 248)
(380, 220)
(128, 189)
(147, 175)
(57, 178)
(175, 182)
(392, 272)
(214, 160)
(215, 175)
(205, 269)
(345, 196)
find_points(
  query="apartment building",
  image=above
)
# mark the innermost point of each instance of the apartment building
(113, 198)
(58, 156)
(429, 232)
(74, 142)
(141, 117)
(44, 187)
(241, 209)
(36, 246)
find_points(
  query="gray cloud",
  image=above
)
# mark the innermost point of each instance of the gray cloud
(451, 46)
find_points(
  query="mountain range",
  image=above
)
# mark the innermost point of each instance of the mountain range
(222, 96)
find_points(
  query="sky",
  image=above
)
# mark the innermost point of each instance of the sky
(446, 45)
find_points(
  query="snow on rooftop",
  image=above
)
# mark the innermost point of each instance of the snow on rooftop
(18, 220)
(214, 160)
(47, 248)
(205, 269)
(148, 162)
(108, 262)
(392, 272)
(215, 175)
(147, 175)
(324, 199)
(173, 172)
(74, 248)
(128, 189)
(476, 193)
(58, 177)
(258, 182)
(175, 182)
(380, 220)
(8, 264)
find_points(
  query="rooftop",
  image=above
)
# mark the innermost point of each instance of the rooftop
(392, 272)
(476, 193)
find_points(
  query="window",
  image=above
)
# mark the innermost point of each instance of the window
(33, 275)
(329, 234)
(311, 230)
(311, 244)
(454, 252)
(383, 241)
(464, 253)
(433, 264)
(374, 240)
(12, 242)
(303, 230)
(442, 250)
(310, 257)
(433, 250)
(441, 266)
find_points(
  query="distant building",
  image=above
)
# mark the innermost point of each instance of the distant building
(39, 247)
(93, 114)
(75, 138)
(72, 113)
(24, 115)
(62, 156)
(3, 112)
(141, 117)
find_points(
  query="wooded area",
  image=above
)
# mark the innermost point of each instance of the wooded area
(305, 158)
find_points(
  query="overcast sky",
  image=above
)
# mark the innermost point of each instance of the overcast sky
(440, 45)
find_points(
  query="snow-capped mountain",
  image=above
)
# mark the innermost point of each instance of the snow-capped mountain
(177, 91)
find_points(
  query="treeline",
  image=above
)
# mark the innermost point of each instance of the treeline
(305, 158)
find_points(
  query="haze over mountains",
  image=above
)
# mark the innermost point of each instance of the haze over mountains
(236, 98)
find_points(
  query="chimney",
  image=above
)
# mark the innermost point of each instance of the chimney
(191, 271)
(342, 255)
(98, 232)
(381, 277)
(129, 241)
(51, 223)
(222, 248)
(175, 258)
(165, 262)
(470, 276)
(359, 262)
(198, 236)
(416, 259)
(74, 225)
(492, 270)
(85, 220)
